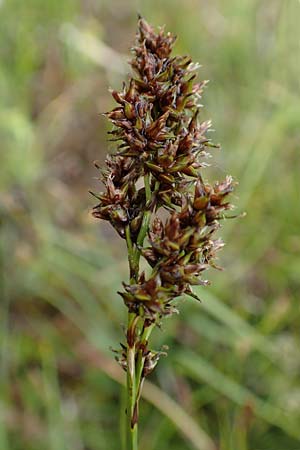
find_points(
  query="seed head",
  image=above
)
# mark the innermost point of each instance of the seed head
(158, 132)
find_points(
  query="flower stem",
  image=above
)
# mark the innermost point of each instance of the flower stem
(135, 358)
(145, 222)
(131, 260)
(132, 427)
(140, 357)
(131, 424)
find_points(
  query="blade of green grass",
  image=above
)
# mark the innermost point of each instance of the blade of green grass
(52, 398)
(236, 323)
(196, 367)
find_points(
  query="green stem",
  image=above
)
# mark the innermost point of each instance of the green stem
(140, 357)
(135, 359)
(131, 260)
(147, 187)
(132, 428)
(145, 222)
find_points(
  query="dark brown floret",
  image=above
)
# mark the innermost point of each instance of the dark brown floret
(159, 135)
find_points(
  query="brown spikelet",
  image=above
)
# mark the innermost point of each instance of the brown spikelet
(159, 134)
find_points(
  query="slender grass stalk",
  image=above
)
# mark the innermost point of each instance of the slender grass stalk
(131, 389)
(162, 142)
(135, 358)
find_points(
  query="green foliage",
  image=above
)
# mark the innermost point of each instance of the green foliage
(233, 366)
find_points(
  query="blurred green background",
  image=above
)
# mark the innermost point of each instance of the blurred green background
(231, 380)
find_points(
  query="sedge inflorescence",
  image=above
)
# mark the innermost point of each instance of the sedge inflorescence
(162, 150)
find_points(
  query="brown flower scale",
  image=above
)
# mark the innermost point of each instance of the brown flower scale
(161, 151)
(159, 133)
